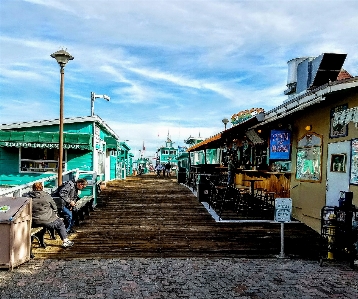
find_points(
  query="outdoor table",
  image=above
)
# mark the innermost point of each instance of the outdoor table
(252, 181)
(221, 168)
(196, 168)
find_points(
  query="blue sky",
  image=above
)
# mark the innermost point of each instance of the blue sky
(168, 66)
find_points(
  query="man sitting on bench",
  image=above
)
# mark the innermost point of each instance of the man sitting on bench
(44, 213)
(68, 193)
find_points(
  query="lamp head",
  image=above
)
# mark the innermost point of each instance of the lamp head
(107, 98)
(225, 121)
(62, 57)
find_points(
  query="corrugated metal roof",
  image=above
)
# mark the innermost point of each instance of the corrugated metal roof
(207, 143)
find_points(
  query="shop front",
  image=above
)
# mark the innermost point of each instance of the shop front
(305, 149)
(29, 151)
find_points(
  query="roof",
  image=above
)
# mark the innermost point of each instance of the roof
(343, 74)
(210, 142)
(297, 103)
(309, 98)
(41, 123)
(218, 139)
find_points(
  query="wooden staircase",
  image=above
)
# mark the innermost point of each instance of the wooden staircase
(146, 216)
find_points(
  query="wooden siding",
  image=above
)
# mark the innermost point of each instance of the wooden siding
(9, 160)
(113, 164)
(79, 159)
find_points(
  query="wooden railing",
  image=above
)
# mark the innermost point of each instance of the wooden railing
(17, 191)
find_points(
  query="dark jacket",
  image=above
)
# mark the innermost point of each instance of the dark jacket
(230, 166)
(44, 209)
(67, 192)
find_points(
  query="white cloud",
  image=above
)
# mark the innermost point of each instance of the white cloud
(166, 64)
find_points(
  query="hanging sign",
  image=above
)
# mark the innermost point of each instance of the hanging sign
(245, 115)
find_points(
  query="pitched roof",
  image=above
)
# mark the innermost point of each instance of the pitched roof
(343, 74)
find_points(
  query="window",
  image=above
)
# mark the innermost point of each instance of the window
(39, 159)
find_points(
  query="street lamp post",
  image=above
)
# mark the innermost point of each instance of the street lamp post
(62, 57)
(96, 96)
(225, 122)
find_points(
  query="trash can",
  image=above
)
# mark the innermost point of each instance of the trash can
(337, 238)
(203, 188)
(181, 175)
(15, 231)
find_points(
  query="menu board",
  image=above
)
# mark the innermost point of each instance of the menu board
(354, 163)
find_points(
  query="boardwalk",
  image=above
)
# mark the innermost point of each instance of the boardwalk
(149, 217)
(152, 239)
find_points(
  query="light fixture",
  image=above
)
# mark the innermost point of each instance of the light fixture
(225, 121)
(62, 57)
(259, 131)
(96, 96)
(308, 128)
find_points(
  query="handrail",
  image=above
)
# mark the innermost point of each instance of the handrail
(16, 191)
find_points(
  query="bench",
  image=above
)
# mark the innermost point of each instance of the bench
(38, 234)
(84, 206)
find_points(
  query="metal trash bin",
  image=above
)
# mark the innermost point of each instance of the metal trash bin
(337, 238)
(15, 231)
(181, 175)
(203, 188)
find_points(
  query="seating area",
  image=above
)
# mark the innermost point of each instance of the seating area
(238, 202)
(84, 206)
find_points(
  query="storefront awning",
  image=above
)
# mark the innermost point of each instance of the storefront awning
(82, 141)
(111, 143)
(253, 137)
(212, 142)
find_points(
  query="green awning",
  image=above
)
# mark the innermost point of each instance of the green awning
(81, 141)
(111, 143)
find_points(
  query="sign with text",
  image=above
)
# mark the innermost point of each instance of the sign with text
(283, 209)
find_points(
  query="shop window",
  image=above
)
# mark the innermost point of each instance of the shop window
(39, 159)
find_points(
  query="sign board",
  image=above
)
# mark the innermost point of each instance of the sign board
(283, 209)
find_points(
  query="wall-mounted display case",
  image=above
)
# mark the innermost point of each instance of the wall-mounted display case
(309, 157)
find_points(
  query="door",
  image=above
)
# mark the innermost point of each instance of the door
(338, 169)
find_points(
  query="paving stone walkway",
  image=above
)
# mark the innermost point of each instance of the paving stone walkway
(191, 278)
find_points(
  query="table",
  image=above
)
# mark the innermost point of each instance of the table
(223, 168)
(252, 181)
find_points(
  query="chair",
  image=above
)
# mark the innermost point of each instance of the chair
(260, 193)
(269, 198)
(243, 205)
(228, 200)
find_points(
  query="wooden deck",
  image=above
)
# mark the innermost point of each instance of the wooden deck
(145, 216)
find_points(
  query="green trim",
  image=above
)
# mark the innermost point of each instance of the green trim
(81, 141)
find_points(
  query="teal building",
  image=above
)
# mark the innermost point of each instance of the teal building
(167, 153)
(29, 150)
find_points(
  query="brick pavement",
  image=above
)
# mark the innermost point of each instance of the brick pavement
(191, 278)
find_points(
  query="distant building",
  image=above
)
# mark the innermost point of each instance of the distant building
(168, 153)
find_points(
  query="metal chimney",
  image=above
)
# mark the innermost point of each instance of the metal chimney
(292, 75)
